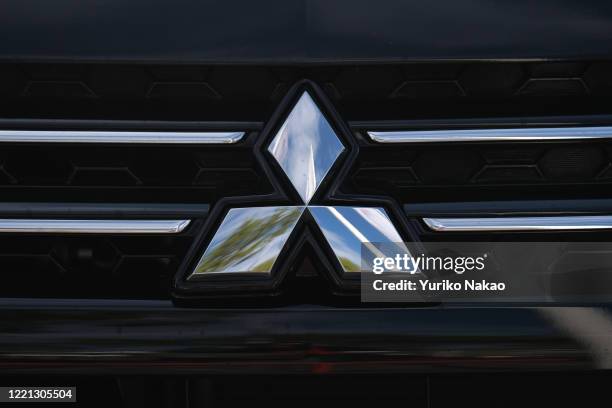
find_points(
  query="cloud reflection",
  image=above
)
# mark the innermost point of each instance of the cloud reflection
(306, 147)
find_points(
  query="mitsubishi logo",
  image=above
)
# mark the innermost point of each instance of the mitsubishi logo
(304, 153)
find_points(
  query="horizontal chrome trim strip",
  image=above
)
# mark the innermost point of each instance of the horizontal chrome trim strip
(490, 122)
(492, 135)
(92, 226)
(113, 211)
(515, 208)
(553, 223)
(84, 136)
(132, 125)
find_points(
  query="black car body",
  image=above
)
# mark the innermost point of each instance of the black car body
(110, 313)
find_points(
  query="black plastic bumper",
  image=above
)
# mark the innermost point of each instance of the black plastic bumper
(149, 337)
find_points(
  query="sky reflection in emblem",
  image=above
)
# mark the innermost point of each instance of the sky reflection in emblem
(249, 240)
(306, 147)
(347, 228)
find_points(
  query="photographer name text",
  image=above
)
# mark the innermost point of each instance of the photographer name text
(445, 285)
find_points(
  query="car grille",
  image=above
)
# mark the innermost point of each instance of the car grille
(127, 173)
(485, 171)
(250, 93)
(109, 267)
(50, 180)
(110, 181)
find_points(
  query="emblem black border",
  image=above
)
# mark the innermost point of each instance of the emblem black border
(306, 232)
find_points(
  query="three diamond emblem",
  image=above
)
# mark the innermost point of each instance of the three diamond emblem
(249, 240)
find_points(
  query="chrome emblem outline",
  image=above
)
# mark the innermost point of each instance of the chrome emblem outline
(317, 207)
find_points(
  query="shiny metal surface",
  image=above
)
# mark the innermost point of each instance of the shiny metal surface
(79, 136)
(347, 228)
(306, 147)
(492, 135)
(109, 211)
(248, 240)
(112, 336)
(93, 226)
(520, 223)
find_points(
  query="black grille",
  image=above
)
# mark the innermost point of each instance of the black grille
(136, 173)
(132, 267)
(360, 92)
(484, 171)
(194, 97)
(107, 266)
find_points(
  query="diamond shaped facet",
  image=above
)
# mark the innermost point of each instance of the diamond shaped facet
(306, 147)
(248, 240)
(351, 230)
